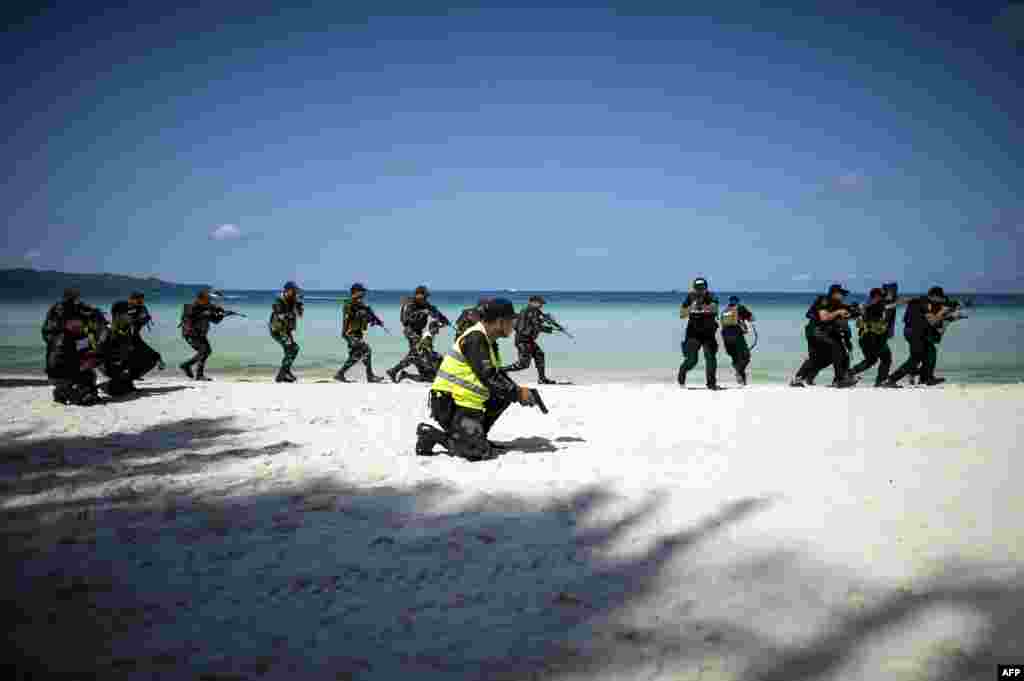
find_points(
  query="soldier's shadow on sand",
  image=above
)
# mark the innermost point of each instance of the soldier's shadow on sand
(23, 382)
(530, 445)
(143, 393)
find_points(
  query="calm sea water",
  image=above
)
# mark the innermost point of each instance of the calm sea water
(619, 336)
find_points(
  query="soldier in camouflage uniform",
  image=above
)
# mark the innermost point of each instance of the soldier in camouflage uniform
(416, 314)
(128, 357)
(429, 360)
(196, 318)
(530, 324)
(469, 317)
(357, 318)
(283, 319)
(74, 333)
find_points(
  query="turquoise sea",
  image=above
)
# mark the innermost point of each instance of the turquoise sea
(620, 336)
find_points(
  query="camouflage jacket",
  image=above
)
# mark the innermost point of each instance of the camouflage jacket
(284, 317)
(531, 323)
(357, 318)
(469, 317)
(127, 320)
(415, 316)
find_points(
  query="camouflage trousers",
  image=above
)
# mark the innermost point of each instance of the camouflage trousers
(529, 352)
(416, 357)
(358, 351)
(290, 347)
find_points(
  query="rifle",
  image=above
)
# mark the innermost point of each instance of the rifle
(377, 322)
(232, 313)
(554, 322)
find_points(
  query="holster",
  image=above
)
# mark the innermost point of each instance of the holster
(442, 408)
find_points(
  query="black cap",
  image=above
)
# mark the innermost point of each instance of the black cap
(290, 285)
(700, 282)
(499, 308)
(72, 293)
(137, 294)
(733, 300)
(837, 287)
(538, 299)
(936, 292)
(876, 293)
(357, 287)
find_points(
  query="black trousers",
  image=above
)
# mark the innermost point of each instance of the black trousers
(691, 346)
(201, 345)
(415, 357)
(875, 347)
(467, 429)
(924, 354)
(739, 351)
(822, 351)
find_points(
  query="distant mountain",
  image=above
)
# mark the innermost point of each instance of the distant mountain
(38, 284)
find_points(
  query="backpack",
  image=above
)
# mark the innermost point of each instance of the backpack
(186, 320)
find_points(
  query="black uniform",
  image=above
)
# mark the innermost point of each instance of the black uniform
(735, 319)
(826, 342)
(923, 338)
(467, 429)
(358, 317)
(128, 357)
(74, 333)
(529, 325)
(415, 317)
(873, 332)
(701, 312)
(195, 329)
(283, 321)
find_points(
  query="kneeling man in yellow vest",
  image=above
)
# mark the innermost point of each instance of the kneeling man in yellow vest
(470, 391)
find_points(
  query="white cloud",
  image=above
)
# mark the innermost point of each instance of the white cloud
(226, 232)
(33, 254)
(852, 180)
(591, 252)
(802, 277)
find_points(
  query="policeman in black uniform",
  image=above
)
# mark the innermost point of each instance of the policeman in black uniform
(736, 319)
(74, 333)
(923, 322)
(700, 309)
(826, 319)
(873, 335)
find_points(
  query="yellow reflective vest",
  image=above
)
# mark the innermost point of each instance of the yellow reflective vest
(456, 376)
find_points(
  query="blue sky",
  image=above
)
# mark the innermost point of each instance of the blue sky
(589, 148)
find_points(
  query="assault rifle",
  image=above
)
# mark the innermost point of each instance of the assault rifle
(558, 327)
(232, 313)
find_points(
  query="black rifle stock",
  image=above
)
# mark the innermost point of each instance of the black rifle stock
(535, 396)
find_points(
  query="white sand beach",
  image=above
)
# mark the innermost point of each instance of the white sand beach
(247, 530)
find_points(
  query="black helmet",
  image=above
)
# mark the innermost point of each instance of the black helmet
(733, 300)
(356, 287)
(290, 285)
(72, 294)
(538, 299)
(837, 287)
(700, 282)
(499, 308)
(936, 292)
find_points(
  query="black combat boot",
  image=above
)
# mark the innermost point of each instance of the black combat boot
(283, 377)
(187, 368)
(393, 375)
(681, 377)
(427, 436)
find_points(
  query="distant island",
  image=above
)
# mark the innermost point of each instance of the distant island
(35, 284)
